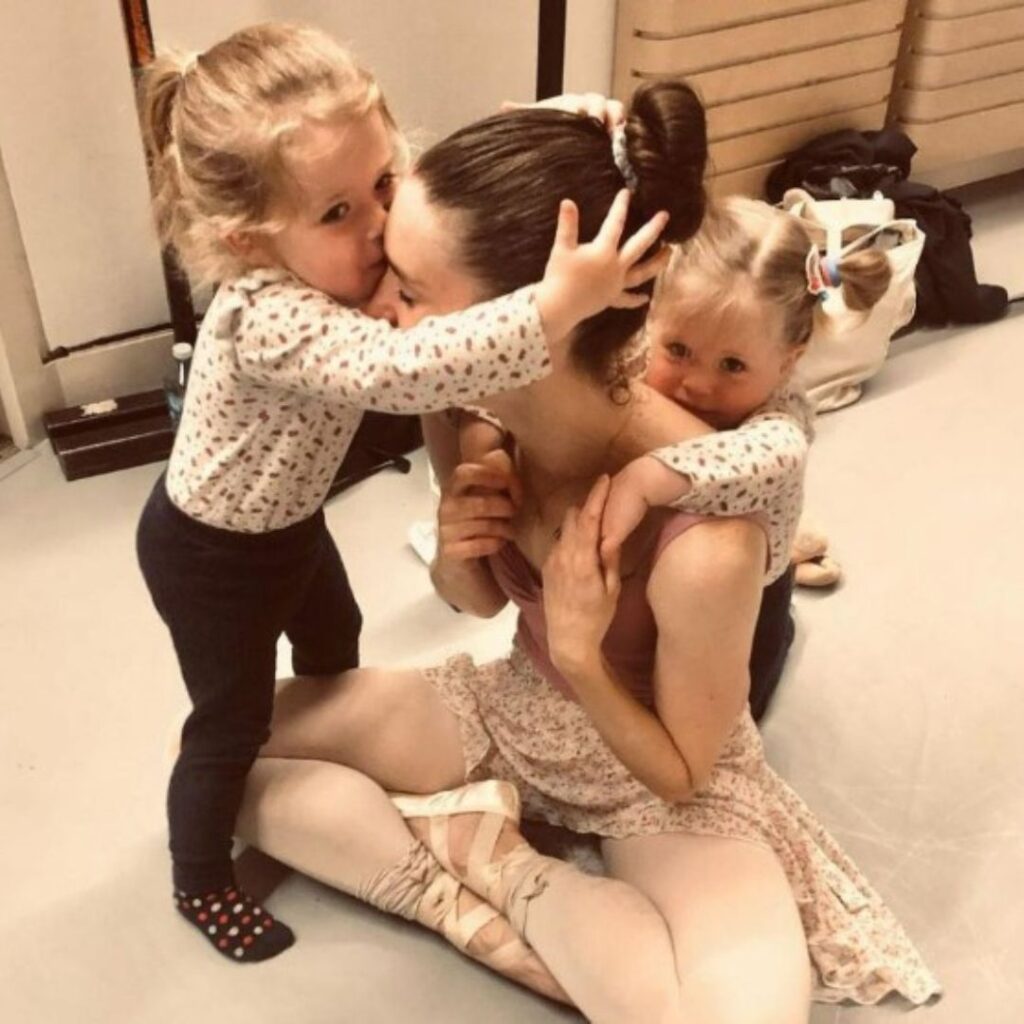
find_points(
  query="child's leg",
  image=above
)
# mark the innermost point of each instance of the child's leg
(324, 631)
(740, 951)
(217, 595)
(225, 599)
(232, 698)
(229, 672)
(773, 636)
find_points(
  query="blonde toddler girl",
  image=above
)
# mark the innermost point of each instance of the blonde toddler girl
(273, 158)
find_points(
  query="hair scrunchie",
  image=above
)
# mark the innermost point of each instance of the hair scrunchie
(621, 158)
(822, 273)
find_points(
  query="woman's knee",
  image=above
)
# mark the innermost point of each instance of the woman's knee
(296, 797)
(765, 982)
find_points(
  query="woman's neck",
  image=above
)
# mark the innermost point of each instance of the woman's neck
(564, 425)
(568, 428)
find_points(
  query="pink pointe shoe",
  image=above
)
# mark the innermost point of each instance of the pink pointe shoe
(507, 880)
(440, 909)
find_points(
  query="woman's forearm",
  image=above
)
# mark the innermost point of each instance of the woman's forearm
(468, 585)
(635, 734)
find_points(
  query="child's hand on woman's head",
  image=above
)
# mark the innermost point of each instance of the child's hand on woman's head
(581, 590)
(477, 506)
(582, 280)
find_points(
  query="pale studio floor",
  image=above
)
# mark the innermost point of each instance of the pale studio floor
(900, 720)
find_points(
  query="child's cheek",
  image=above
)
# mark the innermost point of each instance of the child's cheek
(662, 376)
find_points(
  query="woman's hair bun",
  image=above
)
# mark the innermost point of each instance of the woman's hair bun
(667, 147)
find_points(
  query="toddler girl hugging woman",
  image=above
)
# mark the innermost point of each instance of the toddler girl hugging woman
(732, 314)
(273, 158)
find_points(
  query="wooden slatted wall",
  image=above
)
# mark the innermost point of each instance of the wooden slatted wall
(960, 83)
(772, 73)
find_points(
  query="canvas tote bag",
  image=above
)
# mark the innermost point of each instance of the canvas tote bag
(855, 344)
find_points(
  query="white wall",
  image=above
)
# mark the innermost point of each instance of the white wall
(27, 387)
(74, 161)
(441, 62)
(589, 45)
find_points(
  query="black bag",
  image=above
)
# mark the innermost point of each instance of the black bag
(380, 442)
(856, 165)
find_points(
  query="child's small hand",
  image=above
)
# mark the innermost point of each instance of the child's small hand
(581, 280)
(643, 484)
(477, 506)
(589, 104)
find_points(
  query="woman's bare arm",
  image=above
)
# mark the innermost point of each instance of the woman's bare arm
(705, 591)
(468, 586)
(473, 522)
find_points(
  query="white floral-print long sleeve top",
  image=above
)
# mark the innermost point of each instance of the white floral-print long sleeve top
(282, 373)
(755, 469)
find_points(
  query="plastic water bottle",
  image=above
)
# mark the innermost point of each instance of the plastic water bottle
(177, 381)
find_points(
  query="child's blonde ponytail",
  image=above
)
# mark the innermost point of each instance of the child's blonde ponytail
(159, 90)
(865, 276)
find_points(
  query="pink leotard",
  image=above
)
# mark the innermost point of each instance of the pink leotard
(630, 642)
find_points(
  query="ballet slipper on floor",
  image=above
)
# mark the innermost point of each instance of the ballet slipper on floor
(818, 572)
(807, 544)
(507, 880)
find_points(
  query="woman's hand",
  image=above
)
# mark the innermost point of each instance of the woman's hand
(477, 506)
(581, 591)
(610, 113)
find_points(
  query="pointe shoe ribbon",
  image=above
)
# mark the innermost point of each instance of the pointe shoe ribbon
(439, 911)
(516, 878)
(496, 801)
(419, 889)
(507, 881)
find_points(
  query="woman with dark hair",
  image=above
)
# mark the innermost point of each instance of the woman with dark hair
(722, 884)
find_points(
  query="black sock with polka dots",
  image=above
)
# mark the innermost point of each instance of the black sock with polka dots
(235, 925)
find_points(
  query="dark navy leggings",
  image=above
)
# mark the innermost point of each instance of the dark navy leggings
(226, 598)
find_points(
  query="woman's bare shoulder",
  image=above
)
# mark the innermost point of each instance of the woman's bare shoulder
(713, 554)
(657, 421)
